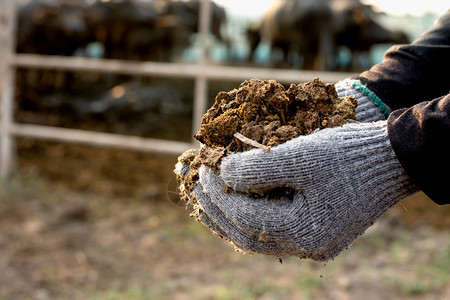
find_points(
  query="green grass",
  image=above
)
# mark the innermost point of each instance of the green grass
(129, 293)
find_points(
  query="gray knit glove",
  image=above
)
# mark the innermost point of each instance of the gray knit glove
(370, 108)
(343, 179)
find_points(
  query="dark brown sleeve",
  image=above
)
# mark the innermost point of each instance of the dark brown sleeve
(420, 137)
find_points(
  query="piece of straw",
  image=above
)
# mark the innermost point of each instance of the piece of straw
(251, 142)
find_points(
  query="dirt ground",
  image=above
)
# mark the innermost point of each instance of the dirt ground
(88, 223)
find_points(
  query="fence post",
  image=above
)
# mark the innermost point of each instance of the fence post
(201, 82)
(7, 34)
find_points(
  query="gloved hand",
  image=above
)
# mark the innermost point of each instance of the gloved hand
(343, 179)
(370, 108)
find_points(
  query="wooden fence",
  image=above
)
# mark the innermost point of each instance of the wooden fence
(202, 71)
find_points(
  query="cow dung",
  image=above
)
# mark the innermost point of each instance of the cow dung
(267, 114)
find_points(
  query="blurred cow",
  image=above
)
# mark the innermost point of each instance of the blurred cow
(314, 30)
(156, 30)
(45, 27)
(356, 29)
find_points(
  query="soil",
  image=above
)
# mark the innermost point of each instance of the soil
(265, 113)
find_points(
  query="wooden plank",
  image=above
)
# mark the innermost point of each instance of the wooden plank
(210, 71)
(201, 81)
(93, 138)
(7, 147)
(7, 37)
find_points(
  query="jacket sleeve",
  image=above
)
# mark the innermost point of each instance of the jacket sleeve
(411, 81)
(413, 73)
(420, 137)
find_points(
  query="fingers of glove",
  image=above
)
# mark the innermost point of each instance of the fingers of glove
(261, 243)
(211, 188)
(257, 170)
(278, 220)
(205, 219)
(292, 164)
(215, 219)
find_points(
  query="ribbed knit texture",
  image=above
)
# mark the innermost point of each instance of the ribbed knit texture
(367, 110)
(344, 179)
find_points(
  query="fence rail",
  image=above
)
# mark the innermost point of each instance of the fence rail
(202, 72)
(99, 138)
(210, 71)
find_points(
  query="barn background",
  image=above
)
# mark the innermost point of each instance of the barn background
(100, 97)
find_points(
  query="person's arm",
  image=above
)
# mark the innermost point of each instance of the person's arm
(420, 137)
(406, 82)
(410, 74)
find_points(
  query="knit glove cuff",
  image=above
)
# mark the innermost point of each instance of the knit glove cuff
(370, 108)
